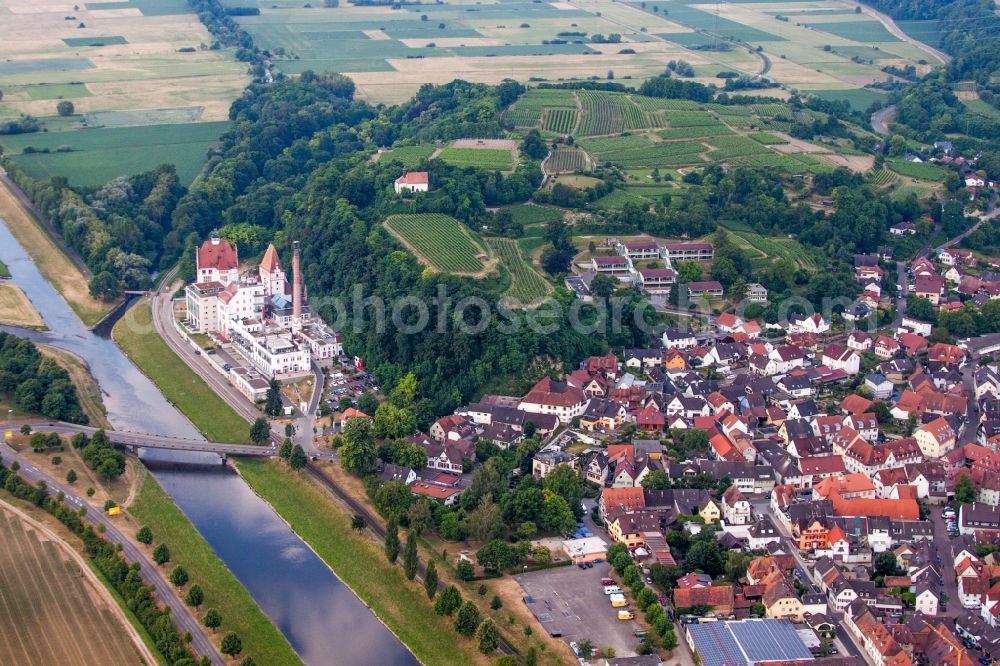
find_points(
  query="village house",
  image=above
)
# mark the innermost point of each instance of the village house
(935, 438)
(413, 181)
(814, 323)
(557, 398)
(736, 510)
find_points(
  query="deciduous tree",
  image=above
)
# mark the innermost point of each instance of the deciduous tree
(488, 636)
(467, 620)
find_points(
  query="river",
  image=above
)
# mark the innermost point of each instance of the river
(321, 617)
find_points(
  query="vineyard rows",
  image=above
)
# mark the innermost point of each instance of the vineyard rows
(541, 98)
(663, 104)
(522, 117)
(567, 160)
(785, 162)
(881, 177)
(691, 119)
(694, 132)
(560, 120)
(526, 285)
(767, 139)
(410, 156)
(440, 240)
(734, 146)
(600, 116)
(632, 115)
(482, 158)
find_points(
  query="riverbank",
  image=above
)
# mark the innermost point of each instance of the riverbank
(17, 310)
(87, 389)
(52, 262)
(359, 562)
(261, 639)
(209, 413)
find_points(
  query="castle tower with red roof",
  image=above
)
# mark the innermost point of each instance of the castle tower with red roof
(217, 261)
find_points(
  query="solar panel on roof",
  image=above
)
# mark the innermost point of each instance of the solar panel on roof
(747, 642)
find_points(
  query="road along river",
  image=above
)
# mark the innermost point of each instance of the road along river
(321, 617)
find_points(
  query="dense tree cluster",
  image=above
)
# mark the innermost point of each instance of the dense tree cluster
(118, 230)
(35, 383)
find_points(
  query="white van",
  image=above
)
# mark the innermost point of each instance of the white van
(612, 589)
(617, 597)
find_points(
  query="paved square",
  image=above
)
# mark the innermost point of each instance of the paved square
(570, 602)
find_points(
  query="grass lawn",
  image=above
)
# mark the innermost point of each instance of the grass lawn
(261, 640)
(216, 420)
(17, 310)
(359, 562)
(921, 170)
(52, 262)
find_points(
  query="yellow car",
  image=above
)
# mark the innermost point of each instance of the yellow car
(625, 615)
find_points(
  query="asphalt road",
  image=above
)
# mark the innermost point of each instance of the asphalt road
(891, 26)
(144, 440)
(880, 120)
(163, 322)
(149, 572)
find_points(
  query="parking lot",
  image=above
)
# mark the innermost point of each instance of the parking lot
(571, 602)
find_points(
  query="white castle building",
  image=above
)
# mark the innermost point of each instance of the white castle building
(268, 324)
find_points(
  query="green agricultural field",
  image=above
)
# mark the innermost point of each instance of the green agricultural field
(533, 214)
(616, 200)
(409, 156)
(77, 42)
(526, 286)
(767, 139)
(481, 158)
(695, 132)
(98, 155)
(154, 509)
(439, 241)
(920, 170)
(982, 108)
(734, 146)
(859, 31)
(859, 98)
(57, 91)
(636, 151)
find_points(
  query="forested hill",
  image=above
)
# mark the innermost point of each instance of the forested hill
(970, 32)
(297, 166)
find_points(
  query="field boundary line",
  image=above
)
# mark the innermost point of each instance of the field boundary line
(91, 578)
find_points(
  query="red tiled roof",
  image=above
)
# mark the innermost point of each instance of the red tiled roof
(219, 255)
(270, 261)
(413, 178)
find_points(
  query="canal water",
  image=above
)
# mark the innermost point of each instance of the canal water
(321, 617)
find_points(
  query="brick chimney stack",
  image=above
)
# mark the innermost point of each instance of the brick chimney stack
(296, 289)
